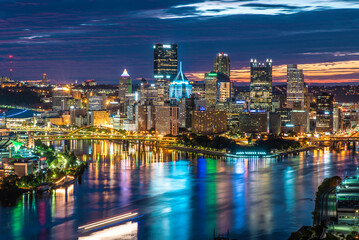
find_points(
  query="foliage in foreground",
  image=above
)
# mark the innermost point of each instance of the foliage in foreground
(216, 142)
(314, 233)
(279, 144)
(60, 164)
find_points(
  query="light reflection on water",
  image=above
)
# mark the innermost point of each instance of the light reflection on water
(181, 195)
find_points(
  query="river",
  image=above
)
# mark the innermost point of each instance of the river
(178, 195)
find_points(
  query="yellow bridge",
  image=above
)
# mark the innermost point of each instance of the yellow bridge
(103, 133)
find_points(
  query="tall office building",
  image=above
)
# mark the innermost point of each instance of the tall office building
(324, 118)
(96, 102)
(261, 86)
(165, 68)
(125, 85)
(217, 88)
(180, 87)
(222, 64)
(165, 62)
(44, 79)
(295, 87)
(60, 98)
(124, 89)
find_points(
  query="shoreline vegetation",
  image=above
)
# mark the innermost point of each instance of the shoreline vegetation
(218, 143)
(60, 166)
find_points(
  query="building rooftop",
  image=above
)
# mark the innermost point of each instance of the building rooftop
(20, 113)
(125, 73)
(180, 78)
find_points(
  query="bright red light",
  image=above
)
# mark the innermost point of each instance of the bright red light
(10, 56)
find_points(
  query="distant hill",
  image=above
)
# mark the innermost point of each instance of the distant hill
(24, 98)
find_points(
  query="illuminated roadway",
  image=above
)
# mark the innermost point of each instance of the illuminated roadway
(105, 137)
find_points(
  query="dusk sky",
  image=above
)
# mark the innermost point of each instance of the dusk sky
(96, 39)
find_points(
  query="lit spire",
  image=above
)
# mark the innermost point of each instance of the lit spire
(180, 76)
(125, 73)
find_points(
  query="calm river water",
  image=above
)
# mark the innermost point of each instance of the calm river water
(179, 195)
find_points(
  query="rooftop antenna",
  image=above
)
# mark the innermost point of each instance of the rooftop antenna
(10, 66)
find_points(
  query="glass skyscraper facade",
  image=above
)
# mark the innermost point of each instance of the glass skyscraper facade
(217, 88)
(180, 87)
(165, 62)
(324, 116)
(261, 86)
(222, 64)
(165, 68)
(295, 87)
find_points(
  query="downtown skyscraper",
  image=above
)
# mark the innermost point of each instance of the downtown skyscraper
(165, 65)
(124, 88)
(180, 87)
(125, 85)
(295, 87)
(222, 64)
(217, 87)
(324, 115)
(261, 86)
(165, 62)
(44, 79)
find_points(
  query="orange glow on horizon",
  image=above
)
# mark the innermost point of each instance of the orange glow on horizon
(326, 72)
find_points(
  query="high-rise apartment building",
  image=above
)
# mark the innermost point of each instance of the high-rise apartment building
(222, 64)
(209, 122)
(324, 116)
(165, 68)
(166, 120)
(295, 87)
(261, 86)
(146, 118)
(125, 85)
(217, 88)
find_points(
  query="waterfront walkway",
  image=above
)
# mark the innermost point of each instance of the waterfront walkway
(223, 153)
(198, 150)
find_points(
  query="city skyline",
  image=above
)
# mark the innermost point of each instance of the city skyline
(198, 119)
(98, 39)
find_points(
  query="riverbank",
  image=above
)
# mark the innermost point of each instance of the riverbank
(220, 153)
(12, 187)
(248, 153)
(60, 168)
